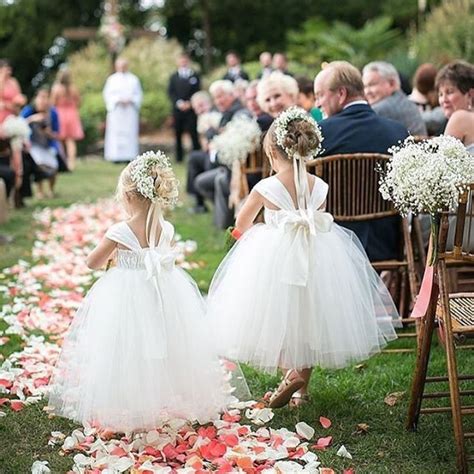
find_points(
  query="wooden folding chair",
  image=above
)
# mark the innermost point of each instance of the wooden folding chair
(255, 164)
(455, 315)
(354, 196)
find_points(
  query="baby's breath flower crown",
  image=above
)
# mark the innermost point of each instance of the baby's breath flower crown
(154, 178)
(281, 131)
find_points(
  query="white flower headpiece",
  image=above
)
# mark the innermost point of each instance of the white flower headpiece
(281, 130)
(166, 194)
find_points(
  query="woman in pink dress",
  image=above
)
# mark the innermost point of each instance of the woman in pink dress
(9, 91)
(65, 97)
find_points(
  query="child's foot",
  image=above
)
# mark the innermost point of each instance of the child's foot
(288, 386)
(298, 399)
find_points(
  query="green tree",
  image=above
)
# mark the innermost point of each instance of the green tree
(446, 34)
(316, 41)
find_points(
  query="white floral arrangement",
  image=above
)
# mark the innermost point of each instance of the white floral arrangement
(240, 137)
(16, 129)
(427, 177)
(155, 179)
(281, 130)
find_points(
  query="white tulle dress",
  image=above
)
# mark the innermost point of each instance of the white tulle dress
(138, 350)
(299, 291)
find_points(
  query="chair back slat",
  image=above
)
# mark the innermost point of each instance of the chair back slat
(256, 162)
(353, 185)
(463, 223)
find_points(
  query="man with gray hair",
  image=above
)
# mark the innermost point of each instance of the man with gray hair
(203, 166)
(383, 92)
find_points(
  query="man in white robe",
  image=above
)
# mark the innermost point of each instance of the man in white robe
(123, 96)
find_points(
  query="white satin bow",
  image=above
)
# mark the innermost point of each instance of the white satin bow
(299, 226)
(155, 264)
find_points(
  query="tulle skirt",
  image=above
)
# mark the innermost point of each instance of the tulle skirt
(341, 315)
(133, 359)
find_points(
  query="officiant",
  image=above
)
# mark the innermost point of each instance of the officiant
(182, 85)
(123, 97)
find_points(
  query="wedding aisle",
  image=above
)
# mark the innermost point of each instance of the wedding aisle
(42, 285)
(41, 299)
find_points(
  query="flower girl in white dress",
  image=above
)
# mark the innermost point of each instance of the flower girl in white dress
(138, 351)
(297, 291)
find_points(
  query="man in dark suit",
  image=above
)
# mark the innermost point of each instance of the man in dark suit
(202, 166)
(234, 69)
(182, 85)
(351, 126)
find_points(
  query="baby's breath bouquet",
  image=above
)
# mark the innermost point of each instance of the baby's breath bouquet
(240, 137)
(427, 177)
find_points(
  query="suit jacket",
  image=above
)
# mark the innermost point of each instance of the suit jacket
(358, 129)
(226, 117)
(400, 108)
(180, 88)
(231, 76)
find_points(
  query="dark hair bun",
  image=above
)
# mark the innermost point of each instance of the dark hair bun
(301, 137)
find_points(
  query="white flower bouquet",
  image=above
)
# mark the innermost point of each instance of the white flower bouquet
(16, 129)
(427, 177)
(240, 137)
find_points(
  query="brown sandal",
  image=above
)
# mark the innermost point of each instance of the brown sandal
(298, 399)
(288, 386)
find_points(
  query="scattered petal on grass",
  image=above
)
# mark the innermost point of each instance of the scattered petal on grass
(343, 452)
(325, 422)
(304, 430)
(361, 428)
(392, 398)
(323, 443)
(40, 467)
(43, 298)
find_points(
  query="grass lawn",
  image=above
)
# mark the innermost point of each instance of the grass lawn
(348, 397)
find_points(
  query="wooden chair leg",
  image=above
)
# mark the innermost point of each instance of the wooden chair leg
(461, 458)
(427, 326)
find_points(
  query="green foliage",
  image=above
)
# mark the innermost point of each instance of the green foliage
(446, 34)
(92, 116)
(317, 41)
(28, 28)
(155, 109)
(152, 60)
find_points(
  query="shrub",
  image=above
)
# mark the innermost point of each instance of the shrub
(446, 34)
(152, 60)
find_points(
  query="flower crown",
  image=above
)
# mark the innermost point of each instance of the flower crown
(166, 194)
(281, 130)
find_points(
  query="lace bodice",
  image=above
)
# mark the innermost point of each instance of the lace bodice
(136, 257)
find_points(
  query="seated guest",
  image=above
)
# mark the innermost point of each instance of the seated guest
(43, 158)
(240, 86)
(234, 69)
(383, 92)
(455, 84)
(207, 117)
(306, 97)
(276, 93)
(264, 120)
(265, 60)
(352, 126)
(425, 96)
(7, 173)
(204, 162)
(280, 63)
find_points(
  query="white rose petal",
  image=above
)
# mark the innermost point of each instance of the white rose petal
(304, 430)
(344, 453)
(40, 467)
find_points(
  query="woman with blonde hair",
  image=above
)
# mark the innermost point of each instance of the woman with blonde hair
(276, 93)
(66, 98)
